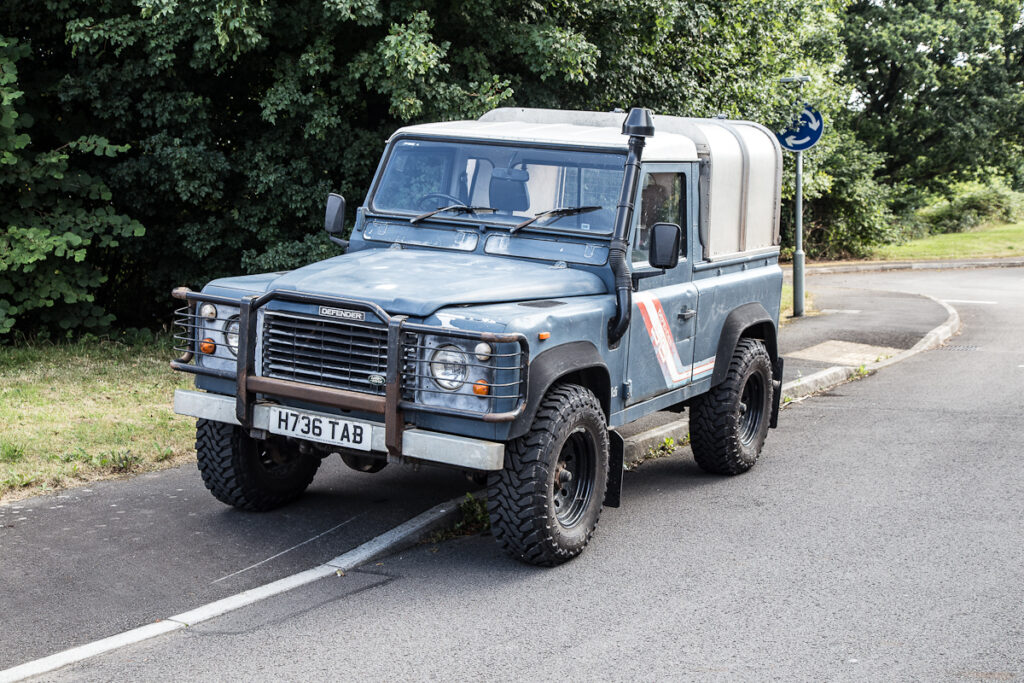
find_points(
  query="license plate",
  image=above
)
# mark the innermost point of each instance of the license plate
(321, 428)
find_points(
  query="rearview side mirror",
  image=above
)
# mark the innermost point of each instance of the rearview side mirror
(663, 245)
(334, 219)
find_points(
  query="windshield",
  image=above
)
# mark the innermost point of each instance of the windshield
(513, 184)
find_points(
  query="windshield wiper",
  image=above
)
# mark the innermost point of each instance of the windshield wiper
(568, 211)
(457, 208)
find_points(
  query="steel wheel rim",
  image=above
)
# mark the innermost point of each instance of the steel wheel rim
(274, 461)
(751, 409)
(571, 496)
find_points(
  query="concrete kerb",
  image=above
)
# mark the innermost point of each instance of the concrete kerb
(880, 266)
(935, 338)
(399, 538)
(638, 445)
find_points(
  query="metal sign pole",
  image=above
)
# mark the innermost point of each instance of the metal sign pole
(802, 134)
(798, 255)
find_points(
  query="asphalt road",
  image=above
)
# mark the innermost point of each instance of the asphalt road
(92, 562)
(880, 538)
(848, 313)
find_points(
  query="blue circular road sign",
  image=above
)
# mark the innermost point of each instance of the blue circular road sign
(803, 133)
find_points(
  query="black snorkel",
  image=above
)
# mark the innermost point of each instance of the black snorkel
(638, 125)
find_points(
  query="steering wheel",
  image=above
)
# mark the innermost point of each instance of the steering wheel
(450, 198)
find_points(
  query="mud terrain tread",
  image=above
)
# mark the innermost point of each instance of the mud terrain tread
(713, 421)
(517, 496)
(220, 457)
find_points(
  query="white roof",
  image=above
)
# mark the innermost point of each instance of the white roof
(661, 147)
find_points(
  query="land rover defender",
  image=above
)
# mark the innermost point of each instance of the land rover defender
(514, 290)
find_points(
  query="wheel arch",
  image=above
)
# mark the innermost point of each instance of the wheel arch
(751, 321)
(577, 363)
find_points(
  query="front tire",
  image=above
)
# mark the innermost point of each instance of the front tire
(728, 424)
(247, 473)
(545, 504)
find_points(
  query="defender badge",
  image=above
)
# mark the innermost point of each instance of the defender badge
(342, 313)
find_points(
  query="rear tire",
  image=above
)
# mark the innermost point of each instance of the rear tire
(728, 424)
(247, 473)
(545, 504)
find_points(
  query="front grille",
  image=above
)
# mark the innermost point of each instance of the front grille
(329, 353)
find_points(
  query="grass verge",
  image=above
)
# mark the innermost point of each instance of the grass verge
(74, 413)
(786, 305)
(987, 241)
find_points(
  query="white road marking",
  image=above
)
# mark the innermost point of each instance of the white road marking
(97, 647)
(405, 533)
(297, 545)
(233, 602)
(970, 301)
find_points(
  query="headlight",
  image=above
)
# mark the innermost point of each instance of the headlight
(448, 367)
(231, 335)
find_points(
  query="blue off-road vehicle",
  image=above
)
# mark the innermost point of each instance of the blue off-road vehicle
(514, 289)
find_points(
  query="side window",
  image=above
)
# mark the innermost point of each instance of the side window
(662, 200)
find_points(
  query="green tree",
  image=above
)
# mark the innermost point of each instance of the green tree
(57, 219)
(939, 86)
(243, 114)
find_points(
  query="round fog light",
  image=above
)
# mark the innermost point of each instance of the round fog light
(208, 311)
(482, 351)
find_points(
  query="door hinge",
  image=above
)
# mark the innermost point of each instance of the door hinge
(627, 389)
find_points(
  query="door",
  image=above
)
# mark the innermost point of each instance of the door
(664, 319)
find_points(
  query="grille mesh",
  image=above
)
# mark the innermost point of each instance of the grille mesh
(328, 353)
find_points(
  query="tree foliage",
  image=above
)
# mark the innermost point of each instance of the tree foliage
(938, 86)
(57, 218)
(221, 125)
(243, 114)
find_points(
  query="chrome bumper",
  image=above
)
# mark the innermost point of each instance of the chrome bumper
(420, 444)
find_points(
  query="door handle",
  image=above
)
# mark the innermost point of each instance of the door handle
(687, 313)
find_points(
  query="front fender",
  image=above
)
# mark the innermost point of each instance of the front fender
(580, 360)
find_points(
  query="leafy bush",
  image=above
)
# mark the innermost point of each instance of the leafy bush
(243, 115)
(972, 203)
(846, 208)
(57, 219)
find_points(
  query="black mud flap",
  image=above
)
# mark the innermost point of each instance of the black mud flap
(777, 392)
(616, 455)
